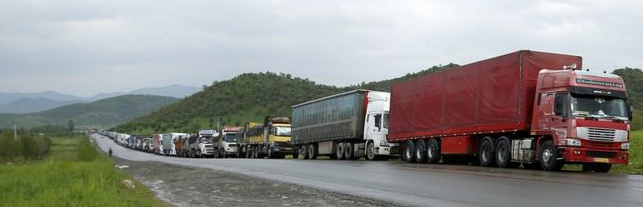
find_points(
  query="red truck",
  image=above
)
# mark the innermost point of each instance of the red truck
(532, 108)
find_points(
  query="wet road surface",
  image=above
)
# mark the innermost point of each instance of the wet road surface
(426, 184)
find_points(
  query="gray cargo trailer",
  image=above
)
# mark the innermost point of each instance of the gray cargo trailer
(344, 126)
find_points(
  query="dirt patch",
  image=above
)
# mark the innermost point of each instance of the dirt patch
(185, 186)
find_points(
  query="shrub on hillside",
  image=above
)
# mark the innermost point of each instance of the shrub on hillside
(86, 151)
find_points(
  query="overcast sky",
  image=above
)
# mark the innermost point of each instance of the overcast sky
(86, 47)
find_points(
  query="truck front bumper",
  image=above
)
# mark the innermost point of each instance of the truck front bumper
(587, 155)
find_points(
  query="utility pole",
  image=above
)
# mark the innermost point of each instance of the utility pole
(15, 132)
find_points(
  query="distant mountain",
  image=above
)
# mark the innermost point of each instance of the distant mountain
(176, 91)
(30, 105)
(102, 113)
(20, 103)
(6, 98)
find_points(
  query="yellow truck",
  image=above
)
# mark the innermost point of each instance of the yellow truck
(268, 139)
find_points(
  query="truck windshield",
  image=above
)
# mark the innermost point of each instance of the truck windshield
(232, 137)
(206, 140)
(282, 131)
(598, 107)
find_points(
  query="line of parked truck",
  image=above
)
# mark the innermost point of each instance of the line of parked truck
(534, 109)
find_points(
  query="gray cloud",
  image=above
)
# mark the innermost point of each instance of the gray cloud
(91, 46)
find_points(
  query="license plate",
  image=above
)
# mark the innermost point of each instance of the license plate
(603, 160)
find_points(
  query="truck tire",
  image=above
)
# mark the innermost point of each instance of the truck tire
(349, 152)
(433, 151)
(255, 152)
(420, 151)
(198, 154)
(295, 154)
(303, 152)
(339, 151)
(597, 167)
(486, 155)
(248, 152)
(503, 153)
(549, 157)
(370, 151)
(312, 151)
(409, 152)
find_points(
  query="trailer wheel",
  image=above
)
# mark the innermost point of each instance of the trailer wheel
(420, 151)
(303, 152)
(248, 152)
(312, 151)
(340, 151)
(409, 151)
(295, 154)
(433, 151)
(503, 153)
(549, 157)
(349, 152)
(486, 154)
(597, 167)
(255, 152)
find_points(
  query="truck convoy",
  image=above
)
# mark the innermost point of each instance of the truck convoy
(528, 107)
(347, 126)
(535, 109)
(225, 145)
(270, 139)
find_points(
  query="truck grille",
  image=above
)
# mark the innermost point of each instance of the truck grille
(601, 135)
(601, 154)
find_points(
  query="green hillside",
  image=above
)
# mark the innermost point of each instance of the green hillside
(633, 78)
(106, 112)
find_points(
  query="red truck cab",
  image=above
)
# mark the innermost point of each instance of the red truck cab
(586, 117)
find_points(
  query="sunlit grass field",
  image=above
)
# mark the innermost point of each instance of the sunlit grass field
(63, 180)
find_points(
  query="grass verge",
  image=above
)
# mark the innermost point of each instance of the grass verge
(63, 180)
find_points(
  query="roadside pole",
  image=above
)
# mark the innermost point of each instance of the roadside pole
(15, 132)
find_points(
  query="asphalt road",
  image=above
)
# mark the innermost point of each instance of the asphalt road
(427, 184)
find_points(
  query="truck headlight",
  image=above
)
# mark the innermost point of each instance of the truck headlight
(573, 142)
(621, 136)
(625, 146)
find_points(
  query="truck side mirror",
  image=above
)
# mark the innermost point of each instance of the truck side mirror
(559, 105)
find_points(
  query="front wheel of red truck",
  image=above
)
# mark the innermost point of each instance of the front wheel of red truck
(549, 157)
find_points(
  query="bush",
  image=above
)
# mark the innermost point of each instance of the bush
(8, 147)
(28, 148)
(86, 151)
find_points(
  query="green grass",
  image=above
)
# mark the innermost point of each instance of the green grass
(62, 180)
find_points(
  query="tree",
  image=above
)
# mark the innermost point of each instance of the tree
(70, 125)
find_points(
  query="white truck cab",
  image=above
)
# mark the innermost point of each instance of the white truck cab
(376, 124)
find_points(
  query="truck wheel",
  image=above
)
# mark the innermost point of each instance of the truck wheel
(420, 151)
(215, 154)
(198, 154)
(340, 151)
(409, 152)
(349, 153)
(222, 153)
(370, 150)
(433, 151)
(486, 154)
(597, 167)
(303, 152)
(312, 151)
(248, 152)
(270, 154)
(255, 152)
(549, 157)
(503, 153)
